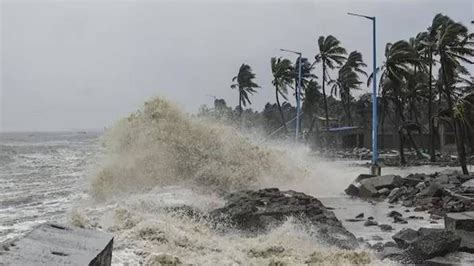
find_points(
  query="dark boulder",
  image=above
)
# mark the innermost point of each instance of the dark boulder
(433, 190)
(405, 237)
(370, 223)
(352, 190)
(433, 243)
(392, 253)
(386, 227)
(399, 220)
(394, 213)
(259, 211)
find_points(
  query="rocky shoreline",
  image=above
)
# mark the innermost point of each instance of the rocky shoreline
(444, 195)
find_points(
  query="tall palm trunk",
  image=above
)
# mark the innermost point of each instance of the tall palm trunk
(382, 123)
(430, 112)
(348, 112)
(324, 96)
(403, 161)
(240, 102)
(410, 137)
(461, 146)
(346, 105)
(283, 123)
(458, 130)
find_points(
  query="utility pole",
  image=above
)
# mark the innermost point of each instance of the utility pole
(375, 168)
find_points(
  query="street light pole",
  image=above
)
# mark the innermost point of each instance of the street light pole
(298, 100)
(298, 94)
(375, 168)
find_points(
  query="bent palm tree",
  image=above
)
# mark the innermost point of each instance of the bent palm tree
(245, 84)
(331, 54)
(399, 57)
(347, 80)
(454, 45)
(282, 71)
(428, 42)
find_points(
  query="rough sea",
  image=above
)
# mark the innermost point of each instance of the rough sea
(123, 180)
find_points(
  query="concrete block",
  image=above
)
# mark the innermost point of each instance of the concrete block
(469, 183)
(460, 221)
(367, 191)
(362, 177)
(467, 241)
(455, 258)
(52, 244)
(383, 181)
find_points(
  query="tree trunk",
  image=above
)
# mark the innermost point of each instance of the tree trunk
(430, 112)
(349, 115)
(312, 125)
(240, 103)
(410, 137)
(458, 133)
(400, 147)
(461, 146)
(382, 122)
(324, 96)
(347, 108)
(279, 109)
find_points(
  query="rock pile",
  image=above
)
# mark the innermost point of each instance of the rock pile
(418, 246)
(438, 193)
(257, 211)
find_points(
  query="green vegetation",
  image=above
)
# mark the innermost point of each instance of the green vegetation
(424, 85)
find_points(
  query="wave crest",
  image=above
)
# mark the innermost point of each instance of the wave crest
(161, 145)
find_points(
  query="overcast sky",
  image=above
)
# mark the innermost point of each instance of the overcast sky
(83, 64)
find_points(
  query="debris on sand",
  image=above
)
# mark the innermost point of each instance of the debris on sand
(438, 193)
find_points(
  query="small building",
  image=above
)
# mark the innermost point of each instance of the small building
(347, 137)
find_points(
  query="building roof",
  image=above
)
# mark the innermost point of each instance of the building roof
(338, 129)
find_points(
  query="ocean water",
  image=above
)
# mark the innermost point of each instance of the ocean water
(122, 181)
(41, 176)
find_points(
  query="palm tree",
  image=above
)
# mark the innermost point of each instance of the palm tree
(428, 41)
(418, 80)
(395, 71)
(453, 46)
(331, 54)
(245, 84)
(282, 71)
(348, 80)
(311, 98)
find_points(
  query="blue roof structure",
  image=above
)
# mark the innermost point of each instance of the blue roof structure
(336, 129)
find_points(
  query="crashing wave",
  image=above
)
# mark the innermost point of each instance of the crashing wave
(160, 145)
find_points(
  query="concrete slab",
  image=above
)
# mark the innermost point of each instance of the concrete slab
(52, 244)
(467, 241)
(460, 221)
(383, 181)
(469, 183)
(455, 258)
